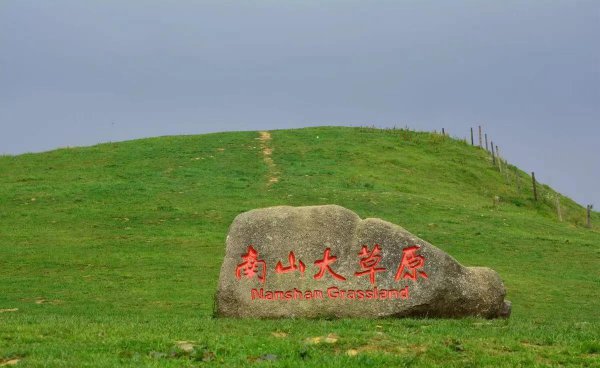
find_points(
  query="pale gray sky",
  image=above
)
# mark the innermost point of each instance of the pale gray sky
(83, 72)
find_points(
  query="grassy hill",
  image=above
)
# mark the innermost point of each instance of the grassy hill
(109, 255)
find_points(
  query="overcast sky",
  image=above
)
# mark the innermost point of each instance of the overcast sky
(81, 72)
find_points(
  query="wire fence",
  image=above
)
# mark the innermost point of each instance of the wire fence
(539, 194)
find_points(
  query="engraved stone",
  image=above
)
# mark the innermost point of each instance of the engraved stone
(324, 261)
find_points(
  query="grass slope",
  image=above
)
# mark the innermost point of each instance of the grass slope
(110, 254)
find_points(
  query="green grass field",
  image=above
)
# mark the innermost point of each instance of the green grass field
(110, 255)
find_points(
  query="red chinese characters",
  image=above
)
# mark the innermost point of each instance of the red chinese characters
(410, 267)
(369, 262)
(324, 265)
(411, 264)
(251, 266)
(292, 267)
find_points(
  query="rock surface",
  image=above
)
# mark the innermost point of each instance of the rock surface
(324, 261)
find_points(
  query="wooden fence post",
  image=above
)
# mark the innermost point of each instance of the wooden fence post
(486, 143)
(534, 186)
(558, 212)
(472, 143)
(443, 131)
(480, 138)
(499, 159)
(493, 154)
(589, 216)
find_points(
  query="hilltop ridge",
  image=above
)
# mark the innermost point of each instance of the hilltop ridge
(127, 238)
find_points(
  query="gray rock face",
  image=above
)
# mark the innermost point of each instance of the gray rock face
(324, 261)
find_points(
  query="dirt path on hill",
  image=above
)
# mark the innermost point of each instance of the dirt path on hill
(265, 139)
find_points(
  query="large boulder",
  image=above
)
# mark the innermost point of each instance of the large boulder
(324, 261)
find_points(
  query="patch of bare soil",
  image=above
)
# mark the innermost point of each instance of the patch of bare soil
(267, 151)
